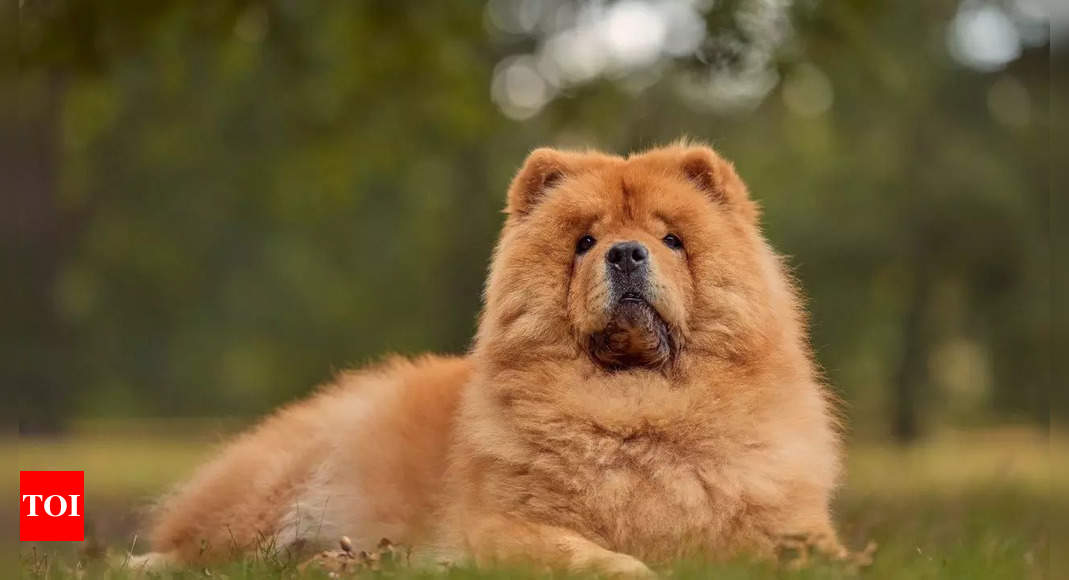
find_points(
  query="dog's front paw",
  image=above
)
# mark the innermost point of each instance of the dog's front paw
(623, 566)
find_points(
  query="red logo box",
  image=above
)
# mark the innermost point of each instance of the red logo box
(51, 506)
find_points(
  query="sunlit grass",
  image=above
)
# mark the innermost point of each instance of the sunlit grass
(123, 460)
(963, 505)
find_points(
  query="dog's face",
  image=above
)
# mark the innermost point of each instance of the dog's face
(635, 262)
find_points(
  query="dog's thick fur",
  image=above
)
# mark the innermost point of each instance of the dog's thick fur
(714, 438)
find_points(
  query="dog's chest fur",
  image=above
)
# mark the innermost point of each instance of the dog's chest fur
(645, 492)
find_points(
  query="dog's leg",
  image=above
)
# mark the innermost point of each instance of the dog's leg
(821, 540)
(495, 540)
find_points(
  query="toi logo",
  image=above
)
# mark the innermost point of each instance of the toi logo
(51, 507)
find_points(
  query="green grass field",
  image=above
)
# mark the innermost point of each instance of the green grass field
(966, 505)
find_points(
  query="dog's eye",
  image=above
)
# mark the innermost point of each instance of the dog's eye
(672, 241)
(585, 243)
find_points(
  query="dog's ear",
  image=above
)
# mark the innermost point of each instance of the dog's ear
(713, 175)
(543, 169)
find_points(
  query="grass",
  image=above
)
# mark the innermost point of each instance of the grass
(963, 505)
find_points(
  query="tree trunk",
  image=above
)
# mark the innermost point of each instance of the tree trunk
(912, 375)
(31, 234)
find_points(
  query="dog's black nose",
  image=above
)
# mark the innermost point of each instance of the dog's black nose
(627, 256)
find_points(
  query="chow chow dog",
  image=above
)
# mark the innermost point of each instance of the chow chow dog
(640, 389)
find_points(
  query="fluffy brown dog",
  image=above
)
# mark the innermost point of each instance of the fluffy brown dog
(640, 388)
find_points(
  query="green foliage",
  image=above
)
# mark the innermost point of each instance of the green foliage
(247, 196)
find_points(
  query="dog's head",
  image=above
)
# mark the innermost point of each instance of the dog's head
(634, 262)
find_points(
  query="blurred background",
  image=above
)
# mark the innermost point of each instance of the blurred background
(212, 207)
